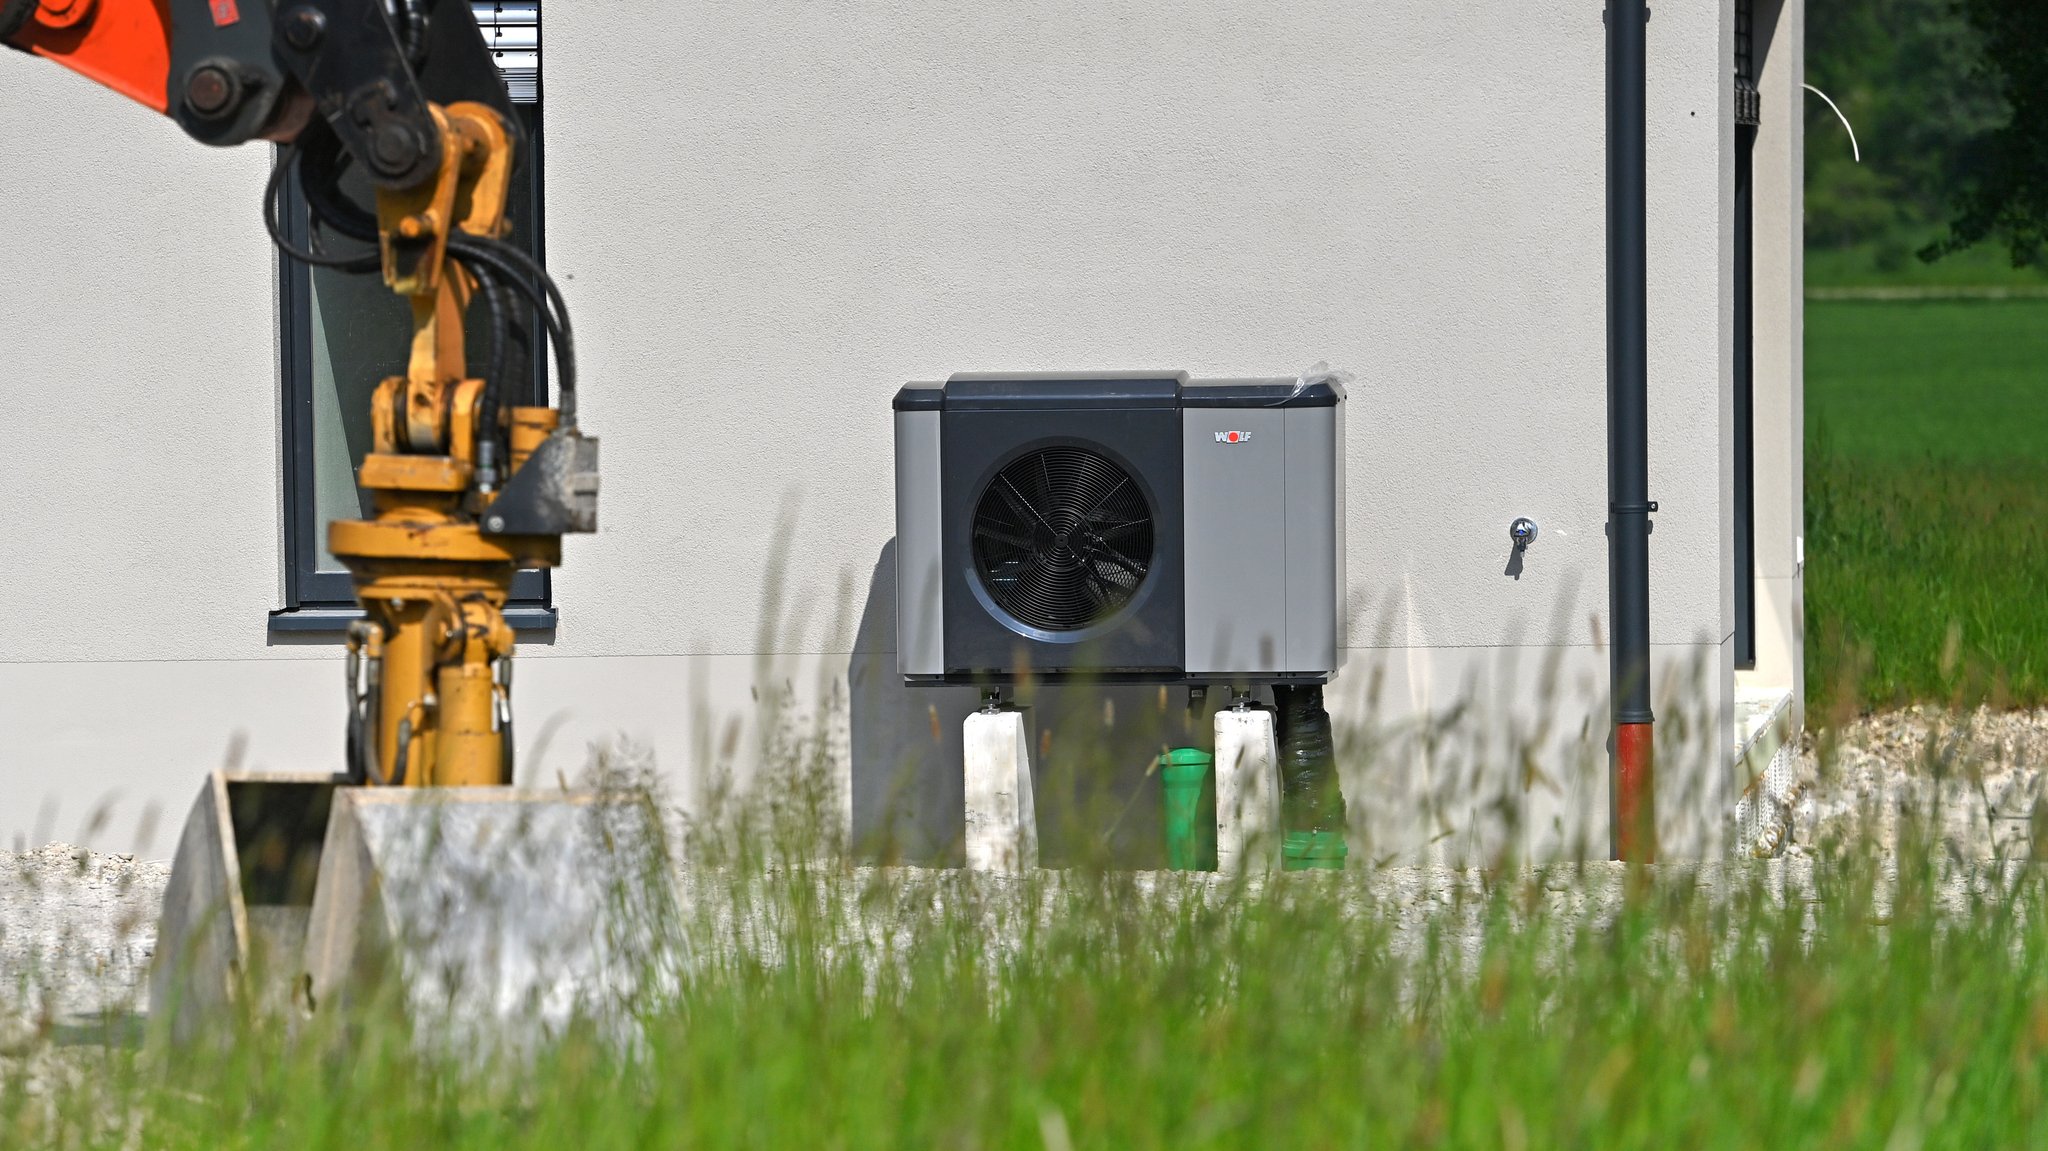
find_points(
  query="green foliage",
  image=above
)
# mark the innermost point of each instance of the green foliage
(2004, 178)
(1926, 485)
(1950, 102)
(1912, 76)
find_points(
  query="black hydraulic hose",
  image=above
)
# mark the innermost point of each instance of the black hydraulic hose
(1628, 424)
(1311, 798)
(404, 753)
(512, 264)
(493, 296)
(368, 675)
(332, 209)
(517, 266)
(373, 713)
(273, 195)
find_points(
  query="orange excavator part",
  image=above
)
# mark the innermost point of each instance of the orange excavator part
(123, 44)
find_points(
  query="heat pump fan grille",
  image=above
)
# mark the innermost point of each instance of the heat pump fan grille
(1062, 538)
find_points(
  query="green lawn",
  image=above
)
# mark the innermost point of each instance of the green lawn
(1891, 263)
(1927, 501)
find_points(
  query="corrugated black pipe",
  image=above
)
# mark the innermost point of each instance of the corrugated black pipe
(1633, 789)
(1310, 796)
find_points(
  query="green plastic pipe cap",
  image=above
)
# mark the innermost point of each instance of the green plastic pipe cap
(1313, 851)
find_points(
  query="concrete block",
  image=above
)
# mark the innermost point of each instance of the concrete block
(1002, 820)
(1247, 791)
(492, 917)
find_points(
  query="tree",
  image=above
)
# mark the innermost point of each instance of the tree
(1911, 75)
(2004, 172)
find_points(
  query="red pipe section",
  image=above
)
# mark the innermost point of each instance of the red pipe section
(1635, 790)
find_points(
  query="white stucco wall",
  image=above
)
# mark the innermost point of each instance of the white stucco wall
(768, 224)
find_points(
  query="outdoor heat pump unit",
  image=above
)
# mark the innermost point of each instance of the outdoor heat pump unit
(1136, 527)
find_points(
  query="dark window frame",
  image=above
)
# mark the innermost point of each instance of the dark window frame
(1747, 106)
(317, 601)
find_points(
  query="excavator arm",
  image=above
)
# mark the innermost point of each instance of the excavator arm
(467, 490)
(123, 44)
(360, 877)
(231, 71)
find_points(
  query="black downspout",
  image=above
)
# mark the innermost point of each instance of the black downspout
(1632, 788)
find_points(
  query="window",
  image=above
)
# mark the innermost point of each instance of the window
(343, 334)
(1747, 118)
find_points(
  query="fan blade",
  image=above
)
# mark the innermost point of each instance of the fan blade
(1097, 505)
(1120, 528)
(1094, 550)
(1018, 503)
(1098, 588)
(988, 531)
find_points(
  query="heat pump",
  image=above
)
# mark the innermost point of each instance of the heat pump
(1132, 527)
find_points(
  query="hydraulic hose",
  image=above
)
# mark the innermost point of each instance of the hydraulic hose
(492, 294)
(516, 266)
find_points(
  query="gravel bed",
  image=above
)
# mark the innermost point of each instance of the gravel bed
(77, 929)
(1978, 777)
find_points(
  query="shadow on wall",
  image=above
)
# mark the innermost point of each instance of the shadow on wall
(1094, 749)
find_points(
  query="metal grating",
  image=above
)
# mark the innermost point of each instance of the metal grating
(1765, 814)
(512, 29)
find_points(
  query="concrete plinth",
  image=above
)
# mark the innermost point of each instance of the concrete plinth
(1247, 791)
(1002, 821)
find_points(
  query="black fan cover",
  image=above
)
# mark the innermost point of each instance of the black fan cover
(1062, 538)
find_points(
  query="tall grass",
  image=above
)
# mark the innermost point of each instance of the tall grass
(1860, 1001)
(1926, 485)
(1925, 583)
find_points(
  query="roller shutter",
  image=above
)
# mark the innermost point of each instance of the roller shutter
(512, 28)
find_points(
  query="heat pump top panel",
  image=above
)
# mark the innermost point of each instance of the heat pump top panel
(1118, 525)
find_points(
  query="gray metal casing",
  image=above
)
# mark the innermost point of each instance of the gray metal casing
(1263, 532)
(920, 590)
(1265, 539)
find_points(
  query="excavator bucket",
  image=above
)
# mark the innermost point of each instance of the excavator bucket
(487, 918)
(239, 898)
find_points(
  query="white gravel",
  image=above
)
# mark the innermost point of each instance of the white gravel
(1978, 777)
(76, 932)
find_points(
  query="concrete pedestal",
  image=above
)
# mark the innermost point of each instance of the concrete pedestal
(1247, 791)
(1002, 822)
